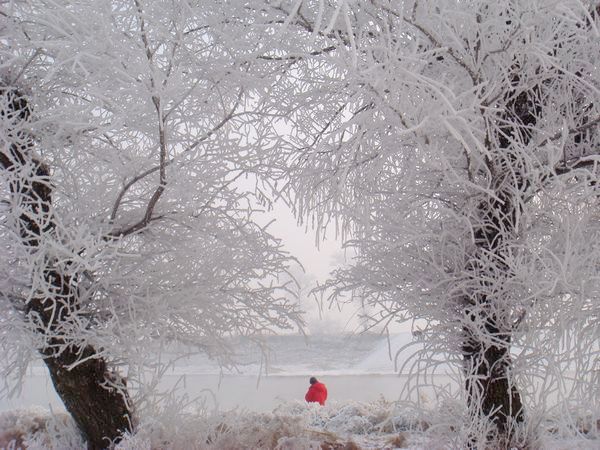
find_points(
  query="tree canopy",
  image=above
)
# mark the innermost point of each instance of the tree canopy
(453, 145)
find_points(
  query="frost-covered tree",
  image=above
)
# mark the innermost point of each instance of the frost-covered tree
(455, 146)
(125, 126)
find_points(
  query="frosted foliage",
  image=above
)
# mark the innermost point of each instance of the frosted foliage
(37, 429)
(291, 426)
(454, 145)
(144, 114)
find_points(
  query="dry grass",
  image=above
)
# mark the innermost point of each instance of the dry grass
(398, 441)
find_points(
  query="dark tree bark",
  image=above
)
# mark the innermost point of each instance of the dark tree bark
(491, 391)
(494, 394)
(490, 388)
(93, 394)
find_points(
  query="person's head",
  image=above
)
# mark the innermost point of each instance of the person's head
(312, 380)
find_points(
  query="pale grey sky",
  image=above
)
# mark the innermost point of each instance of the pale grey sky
(317, 263)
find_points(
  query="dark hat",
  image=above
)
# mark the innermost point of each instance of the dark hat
(312, 380)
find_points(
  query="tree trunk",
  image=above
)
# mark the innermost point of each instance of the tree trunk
(102, 412)
(486, 345)
(491, 392)
(489, 385)
(95, 396)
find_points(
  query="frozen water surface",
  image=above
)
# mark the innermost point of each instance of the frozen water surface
(357, 368)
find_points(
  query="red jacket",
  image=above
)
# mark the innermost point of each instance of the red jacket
(316, 393)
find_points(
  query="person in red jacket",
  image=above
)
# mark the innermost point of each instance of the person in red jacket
(317, 392)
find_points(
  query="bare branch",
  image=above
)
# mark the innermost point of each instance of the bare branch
(188, 149)
(572, 131)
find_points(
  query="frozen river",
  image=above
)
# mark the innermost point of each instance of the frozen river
(231, 391)
(355, 368)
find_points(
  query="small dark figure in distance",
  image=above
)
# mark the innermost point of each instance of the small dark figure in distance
(317, 392)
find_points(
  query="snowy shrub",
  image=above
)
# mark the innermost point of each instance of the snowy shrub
(38, 429)
(291, 426)
(350, 420)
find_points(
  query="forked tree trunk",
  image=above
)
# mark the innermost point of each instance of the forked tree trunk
(95, 396)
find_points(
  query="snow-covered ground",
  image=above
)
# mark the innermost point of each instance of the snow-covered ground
(291, 426)
(237, 409)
